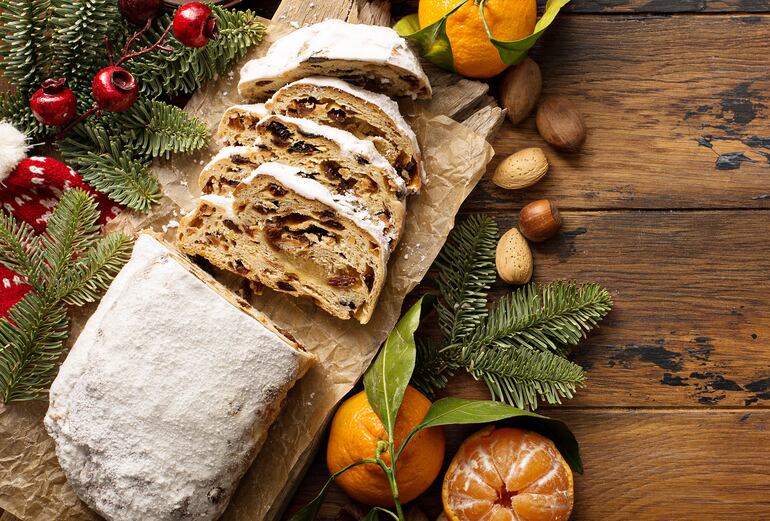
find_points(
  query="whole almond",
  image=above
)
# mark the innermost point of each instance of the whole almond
(513, 258)
(520, 89)
(521, 169)
(560, 123)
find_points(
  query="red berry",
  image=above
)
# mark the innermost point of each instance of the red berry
(195, 24)
(54, 104)
(114, 89)
(139, 11)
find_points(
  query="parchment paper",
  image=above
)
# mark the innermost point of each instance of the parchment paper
(32, 485)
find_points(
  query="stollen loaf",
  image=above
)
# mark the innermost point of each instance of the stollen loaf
(373, 57)
(167, 395)
(288, 231)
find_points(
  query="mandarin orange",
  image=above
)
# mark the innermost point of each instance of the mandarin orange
(354, 434)
(473, 53)
(508, 474)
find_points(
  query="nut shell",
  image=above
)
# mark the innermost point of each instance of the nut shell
(520, 89)
(513, 258)
(561, 124)
(539, 220)
(522, 169)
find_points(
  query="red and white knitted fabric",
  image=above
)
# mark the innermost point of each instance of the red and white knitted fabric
(30, 191)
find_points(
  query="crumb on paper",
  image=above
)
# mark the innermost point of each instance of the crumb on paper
(183, 182)
(294, 24)
(406, 256)
(171, 224)
(311, 5)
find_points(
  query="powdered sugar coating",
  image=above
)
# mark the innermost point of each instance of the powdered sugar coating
(349, 145)
(166, 396)
(338, 40)
(346, 205)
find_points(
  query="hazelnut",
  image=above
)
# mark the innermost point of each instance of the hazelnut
(560, 123)
(539, 220)
(513, 258)
(520, 89)
(522, 169)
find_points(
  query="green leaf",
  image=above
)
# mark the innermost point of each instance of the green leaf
(386, 380)
(371, 516)
(310, 511)
(458, 411)
(432, 40)
(513, 52)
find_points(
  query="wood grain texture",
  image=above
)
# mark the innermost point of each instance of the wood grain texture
(691, 321)
(651, 465)
(401, 7)
(676, 110)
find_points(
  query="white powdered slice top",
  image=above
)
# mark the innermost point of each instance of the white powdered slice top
(337, 40)
(347, 205)
(222, 201)
(349, 145)
(158, 409)
(226, 152)
(257, 110)
(387, 105)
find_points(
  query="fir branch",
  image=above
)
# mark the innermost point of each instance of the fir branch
(466, 272)
(31, 343)
(70, 230)
(114, 172)
(18, 246)
(24, 44)
(94, 271)
(14, 109)
(185, 69)
(549, 317)
(155, 128)
(77, 266)
(434, 366)
(521, 377)
(79, 28)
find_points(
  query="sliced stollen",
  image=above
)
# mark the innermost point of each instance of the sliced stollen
(290, 233)
(365, 114)
(167, 395)
(374, 57)
(229, 166)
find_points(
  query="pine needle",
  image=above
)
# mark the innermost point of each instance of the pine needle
(69, 263)
(517, 348)
(24, 46)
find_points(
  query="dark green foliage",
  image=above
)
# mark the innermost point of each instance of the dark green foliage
(68, 263)
(186, 69)
(517, 348)
(79, 29)
(24, 45)
(14, 108)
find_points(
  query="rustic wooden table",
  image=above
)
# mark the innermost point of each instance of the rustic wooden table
(667, 206)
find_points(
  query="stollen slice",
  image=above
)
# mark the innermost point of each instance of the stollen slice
(373, 57)
(168, 393)
(292, 234)
(365, 114)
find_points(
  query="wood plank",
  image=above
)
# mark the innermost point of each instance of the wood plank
(669, 107)
(691, 319)
(669, 464)
(402, 7)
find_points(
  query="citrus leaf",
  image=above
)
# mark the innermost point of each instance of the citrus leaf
(432, 40)
(513, 52)
(386, 379)
(310, 511)
(458, 411)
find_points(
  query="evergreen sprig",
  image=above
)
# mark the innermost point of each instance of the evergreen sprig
(24, 44)
(518, 347)
(40, 39)
(186, 69)
(68, 264)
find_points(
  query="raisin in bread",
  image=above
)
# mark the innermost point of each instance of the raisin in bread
(376, 58)
(168, 393)
(365, 114)
(292, 234)
(229, 166)
(239, 123)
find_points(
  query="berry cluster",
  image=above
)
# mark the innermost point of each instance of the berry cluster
(114, 89)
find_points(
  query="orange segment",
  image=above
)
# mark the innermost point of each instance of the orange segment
(474, 55)
(354, 434)
(508, 474)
